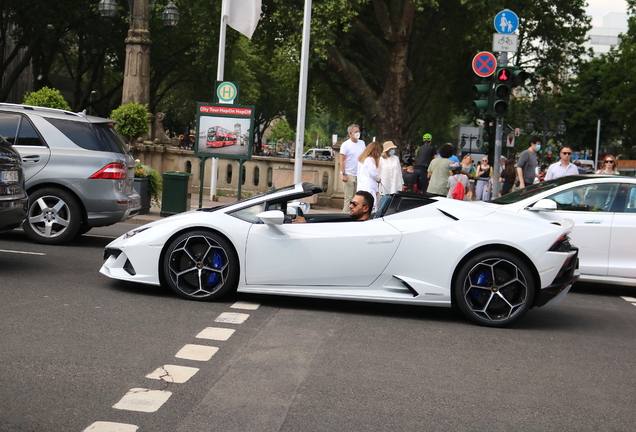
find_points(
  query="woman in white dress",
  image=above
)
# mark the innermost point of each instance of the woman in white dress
(390, 170)
(368, 172)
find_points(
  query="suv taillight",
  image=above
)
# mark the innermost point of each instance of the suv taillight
(111, 171)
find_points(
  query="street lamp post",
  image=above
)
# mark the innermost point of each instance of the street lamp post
(136, 86)
(544, 117)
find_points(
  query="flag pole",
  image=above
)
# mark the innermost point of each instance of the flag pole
(302, 95)
(219, 77)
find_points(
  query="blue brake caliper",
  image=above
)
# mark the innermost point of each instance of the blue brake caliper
(481, 279)
(217, 263)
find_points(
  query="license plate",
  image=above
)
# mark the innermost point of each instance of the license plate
(9, 176)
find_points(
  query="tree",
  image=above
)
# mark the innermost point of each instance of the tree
(46, 97)
(282, 131)
(403, 66)
(588, 98)
(132, 120)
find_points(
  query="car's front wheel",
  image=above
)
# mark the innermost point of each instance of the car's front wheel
(199, 265)
(54, 216)
(494, 288)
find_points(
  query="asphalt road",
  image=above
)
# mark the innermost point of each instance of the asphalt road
(75, 343)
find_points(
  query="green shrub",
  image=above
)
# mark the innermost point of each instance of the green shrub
(132, 120)
(46, 97)
(156, 182)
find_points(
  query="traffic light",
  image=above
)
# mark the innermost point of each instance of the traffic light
(503, 88)
(506, 78)
(484, 103)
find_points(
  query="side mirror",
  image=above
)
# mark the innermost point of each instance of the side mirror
(292, 211)
(304, 206)
(272, 217)
(543, 205)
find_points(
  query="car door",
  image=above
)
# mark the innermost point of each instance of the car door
(345, 253)
(589, 206)
(19, 131)
(622, 253)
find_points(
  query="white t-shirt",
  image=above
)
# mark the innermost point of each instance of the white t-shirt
(351, 151)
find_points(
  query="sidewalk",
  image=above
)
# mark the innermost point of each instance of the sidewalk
(155, 212)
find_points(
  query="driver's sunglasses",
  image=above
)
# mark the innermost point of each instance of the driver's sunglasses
(566, 153)
(609, 161)
(355, 204)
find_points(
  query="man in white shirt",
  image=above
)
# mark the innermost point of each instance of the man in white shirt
(350, 150)
(563, 167)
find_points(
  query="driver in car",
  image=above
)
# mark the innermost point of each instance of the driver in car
(359, 207)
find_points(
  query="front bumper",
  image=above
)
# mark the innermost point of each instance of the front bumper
(13, 212)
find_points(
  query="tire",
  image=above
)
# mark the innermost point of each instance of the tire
(54, 216)
(199, 265)
(83, 229)
(494, 288)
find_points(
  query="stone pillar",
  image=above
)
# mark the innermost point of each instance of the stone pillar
(136, 87)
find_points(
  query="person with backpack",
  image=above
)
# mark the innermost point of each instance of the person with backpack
(458, 184)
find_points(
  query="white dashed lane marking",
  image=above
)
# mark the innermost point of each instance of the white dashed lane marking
(216, 333)
(629, 299)
(144, 400)
(21, 252)
(101, 426)
(196, 352)
(245, 305)
(232, 318)
(173, 374)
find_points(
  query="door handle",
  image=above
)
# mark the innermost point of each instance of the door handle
(593, 222)
(31, 159)
(380, 240)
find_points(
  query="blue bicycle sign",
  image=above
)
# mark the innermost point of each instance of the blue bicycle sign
(506, 22)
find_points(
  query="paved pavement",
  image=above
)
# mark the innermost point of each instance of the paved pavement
(155, 212)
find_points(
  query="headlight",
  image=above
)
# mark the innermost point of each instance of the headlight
(134, 232)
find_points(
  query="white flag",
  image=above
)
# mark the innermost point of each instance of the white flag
(242, 15)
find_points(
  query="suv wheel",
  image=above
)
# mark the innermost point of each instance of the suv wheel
(54, 216)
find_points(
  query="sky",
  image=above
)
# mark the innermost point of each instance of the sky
(599, 8)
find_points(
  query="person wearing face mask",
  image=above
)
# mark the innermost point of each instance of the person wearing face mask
(527, 164)
(391, 180)
(350, 151)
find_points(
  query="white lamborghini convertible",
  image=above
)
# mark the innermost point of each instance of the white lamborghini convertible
(494, 265)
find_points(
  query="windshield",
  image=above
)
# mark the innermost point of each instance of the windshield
(535, 189)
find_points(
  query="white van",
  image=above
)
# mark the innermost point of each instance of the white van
(319, 154)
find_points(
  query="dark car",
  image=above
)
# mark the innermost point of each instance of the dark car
(13, 197)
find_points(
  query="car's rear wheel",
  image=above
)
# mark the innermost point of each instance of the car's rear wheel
(494, 288)
(199, 265)
(54, 216)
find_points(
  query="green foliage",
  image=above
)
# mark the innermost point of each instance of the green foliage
(402, 67)
(588, 97)
(46, 97)
(282, 131)
(156, 181)
(132, 120)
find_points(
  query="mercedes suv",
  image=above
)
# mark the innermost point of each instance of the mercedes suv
(79, 172)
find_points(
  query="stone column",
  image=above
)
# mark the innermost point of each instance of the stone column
(136, 87)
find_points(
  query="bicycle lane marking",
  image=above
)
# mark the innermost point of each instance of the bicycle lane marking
(147, 400)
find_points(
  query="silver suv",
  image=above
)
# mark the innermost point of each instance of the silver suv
(79, 172)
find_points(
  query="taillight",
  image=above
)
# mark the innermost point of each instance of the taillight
(115, 171)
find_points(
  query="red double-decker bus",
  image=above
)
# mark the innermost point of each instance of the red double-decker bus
(219, 137)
